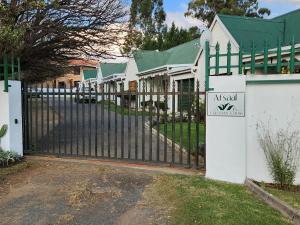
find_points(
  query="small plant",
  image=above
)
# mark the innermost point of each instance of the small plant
(3, 131)
(281, 150)
(8, 157)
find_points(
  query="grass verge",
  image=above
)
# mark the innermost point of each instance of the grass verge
(189, 200)
(124, 110)
(4, 172)
(290, 197)
(185, 137)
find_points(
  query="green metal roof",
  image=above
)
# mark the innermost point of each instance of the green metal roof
(185, 53)
(90, 74)
(246, 29)
(146, 60)
(291, 28)
(109, 69)
(182, 54)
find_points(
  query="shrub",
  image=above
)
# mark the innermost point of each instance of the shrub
(281, 150)
(201, 112)
(161, 105)
(147, 103)
(8, 157)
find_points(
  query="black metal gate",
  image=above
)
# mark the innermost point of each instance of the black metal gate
(145, 123)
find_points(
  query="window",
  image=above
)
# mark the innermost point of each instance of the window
(61, 84)
(121, 85)
(185, 100)
(76, 70)
(76, 83)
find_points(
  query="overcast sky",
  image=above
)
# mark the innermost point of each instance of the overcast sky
(175, 10)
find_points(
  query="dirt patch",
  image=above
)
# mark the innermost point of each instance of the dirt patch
(65, 219)
(66, 192)
(13, 169)
(137, 216)
(63, 193)
(82, 194)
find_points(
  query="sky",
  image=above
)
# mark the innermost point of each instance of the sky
(175, 10)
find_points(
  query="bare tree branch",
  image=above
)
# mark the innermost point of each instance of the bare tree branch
(47, 34)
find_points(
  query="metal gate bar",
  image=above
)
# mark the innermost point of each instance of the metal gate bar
(105, 121)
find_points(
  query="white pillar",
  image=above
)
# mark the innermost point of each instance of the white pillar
(225, 130)
(11, 114)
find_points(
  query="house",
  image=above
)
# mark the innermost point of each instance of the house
(161, 70)
(90, 74)
(245, 32)
(74, 74)
(111, 76)
(117, 77)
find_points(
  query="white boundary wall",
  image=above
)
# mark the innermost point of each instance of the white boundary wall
(275, 103)
(11, 114)
(233, 151)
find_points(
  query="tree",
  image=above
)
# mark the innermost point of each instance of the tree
(207, 9)
(147, 22)
(148, 30)
(47, 34)
(176, 36)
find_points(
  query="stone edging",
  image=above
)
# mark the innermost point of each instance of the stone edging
(169, 141)
(274, 202)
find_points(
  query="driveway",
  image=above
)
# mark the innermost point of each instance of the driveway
(56, 192)
(90, 192)
(84, 129)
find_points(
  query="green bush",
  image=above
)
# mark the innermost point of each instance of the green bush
(8, 157)
(201, 112)
(161, 105)
(147, 103)
(281, 150)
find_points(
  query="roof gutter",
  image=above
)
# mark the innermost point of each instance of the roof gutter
(114, 76)
(182, 71)
(162, 68)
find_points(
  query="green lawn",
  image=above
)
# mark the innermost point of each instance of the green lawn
(194, 200)
(126, 110)
(185, 133)
(291, 198)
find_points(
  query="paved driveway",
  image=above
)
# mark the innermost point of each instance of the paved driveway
(83, 129)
